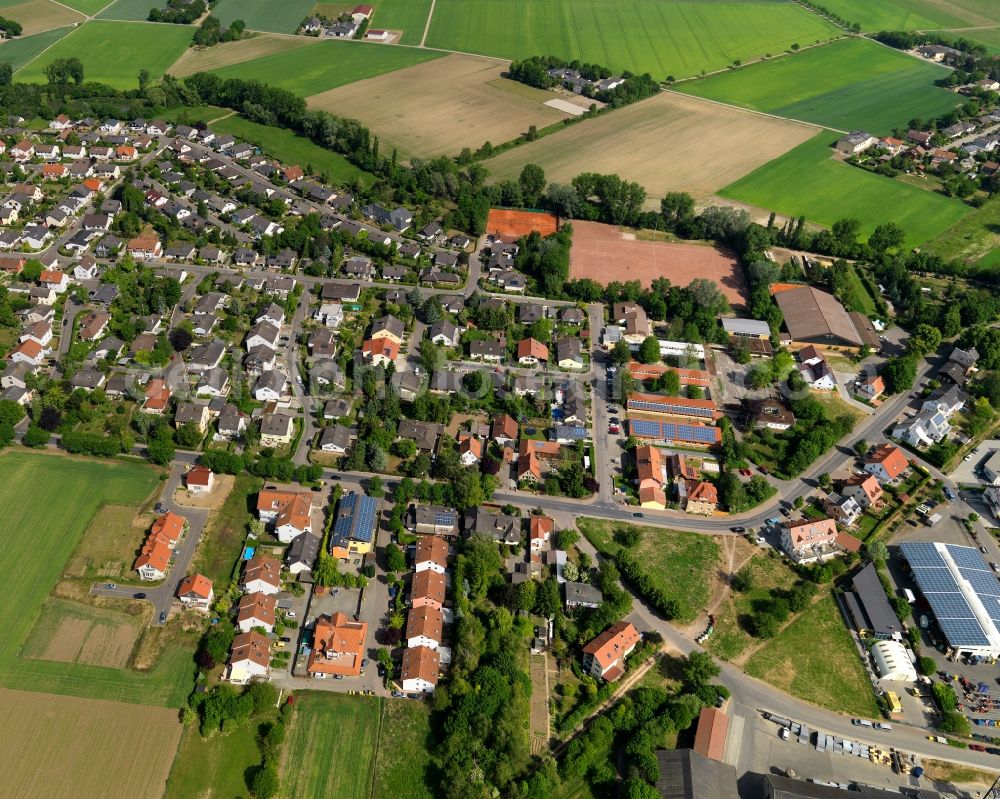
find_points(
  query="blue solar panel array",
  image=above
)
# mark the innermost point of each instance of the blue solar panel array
(666, 406)
(355, 518)
(671, 431)
(943, 590)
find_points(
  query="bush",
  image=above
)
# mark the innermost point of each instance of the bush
(926, 665)
(36, 437)
(945, 697)
(627, 536)
(743, 579)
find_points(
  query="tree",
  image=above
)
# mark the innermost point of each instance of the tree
(36, 437)
(621, 354)
(10, 412)
(180, 339)
(395, 560)
(925, 338)
(889, 236)
(670, 383)
(743, 579)
(161, 450)
(824, 481)
(926, 665)
(860, 447)
(263, 780)
(6, 73)
(532, 183)
(188, 435)
(899, 373)
(878, 551)
(375, 488)
(649, 350)
(698, 669)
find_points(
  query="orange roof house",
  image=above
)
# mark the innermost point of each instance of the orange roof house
(338, 647)
(94, 184)
(431, 552)
(195, 590)
(540, 529)
(169, 526)
(424, 627)
(53, 171)
(604, 657)
(293, 173)
(262, 574)
(153, 560)
(157, 396)
(289, 511)
(702, 497)
(256, 610)
(470, 449)
(710, 739)
(420, 669)
(380, 350)
(198, 477)
(504, 428)
(530, 350)
(427, 589)
(865, 490)
(651, 477)
(887, 463)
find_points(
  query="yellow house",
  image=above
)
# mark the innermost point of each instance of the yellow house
(276, 429)
(702, 498)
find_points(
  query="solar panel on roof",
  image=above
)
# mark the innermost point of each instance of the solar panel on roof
(963, 632)
(966, 557)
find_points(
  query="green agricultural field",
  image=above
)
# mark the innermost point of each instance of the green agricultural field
(264, 15)
(846, 85)
(915, 14)
(681, 563)
(830, 675)
(289, 148)
(988, 36)
(403, 759)
(21, 51)
(857, 297)
(114, 52)
(806, 181)
(679, 38)
(48, 503)
(326, 65)
(330, 746)
(972, 238)
(409, 16)
(131, 10)
(88, 7)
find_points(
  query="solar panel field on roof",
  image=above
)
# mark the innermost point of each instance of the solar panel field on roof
(364, 529)
(669, 407)
(674, 431)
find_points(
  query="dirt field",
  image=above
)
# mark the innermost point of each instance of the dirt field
(223, 484)
(539, 713)
(63, 747)
(520, 223)
(110, 544)
(441, 106)
(204, 59)
(667, 143)
(36, 16)
(69, 632)
(602, 251)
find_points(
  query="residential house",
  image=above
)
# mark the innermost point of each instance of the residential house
(433, 520)
(773, 415)
(380, 351)
(302, 553)
(250, 658)
(814, 370)
(582, 595)
(276, 429)
(499, 527)
(864, 490)
(887, 462)
(427, 589)
(256, 610)
(262, 574)
(424, 627)
(856, 142)
(195, 592)
(651, 477)
(431, 554)
(419, 672)
(504, 430)
(388, 327)
(487, 350)
(270, 386)
(531, 352)
(191, 413)
(871, 387)
(157, 396)
(569, 353)
(199, 480)
(338, 648)
(540, 530)
(702, 498)
(843, 508)
(807, 539)
(93, 325)
(444, 333)
(604, 657)
(925, 429)
(335, 439)
(353, 531)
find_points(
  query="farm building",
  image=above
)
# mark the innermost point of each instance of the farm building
(892, 662)
(686, 774)
(962, 591)
(815, 317)
(869, 608)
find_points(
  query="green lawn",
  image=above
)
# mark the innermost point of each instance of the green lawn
(222, 540)
(830, 675)
(857, 297)
(915, 14)
(806, 181)
(264, 15)
(846, 85)
(326, 65)
(680, 38)
(48, 503)
(114, 52)
(972, 238)
(680, 562)
(408, 16)
(403, 761)
(217, 764)
(20, 51)
(330, 747)
(289, 148)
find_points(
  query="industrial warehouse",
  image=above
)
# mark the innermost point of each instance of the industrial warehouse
(962, 592)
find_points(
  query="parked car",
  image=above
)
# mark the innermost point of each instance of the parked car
(763, 470)
(140, 595)
(949, 493)
(638, 515)
(738, 529)
(163, 616)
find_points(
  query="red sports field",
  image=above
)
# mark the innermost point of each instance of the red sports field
(514, 224)
(603, 253)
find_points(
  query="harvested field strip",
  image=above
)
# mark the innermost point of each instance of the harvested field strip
(710, 146)
(37, 16)
(442, 106)
(206, 59)
(62, 747)
(73, 633)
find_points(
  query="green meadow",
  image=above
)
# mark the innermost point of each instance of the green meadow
(846, 85)
(806, 181)
(676, 37)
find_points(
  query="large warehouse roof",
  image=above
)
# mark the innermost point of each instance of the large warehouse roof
(962, 591)
(815, 316)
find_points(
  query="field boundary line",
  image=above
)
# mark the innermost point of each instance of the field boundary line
(70, 8)
(43, 52)
(378, 746)
(427, 23)
(755, 111)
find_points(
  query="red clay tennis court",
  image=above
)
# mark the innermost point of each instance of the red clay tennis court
(604, 253)
(514, 224)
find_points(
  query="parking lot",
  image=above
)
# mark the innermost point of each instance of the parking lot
(965, 472)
